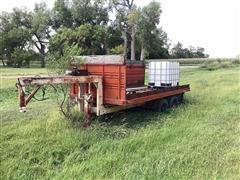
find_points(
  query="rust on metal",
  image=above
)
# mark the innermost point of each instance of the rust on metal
(158, 95)
(26, 81)
(84, 98)
(32, 94)
(148, 91)
(21, 97)
(116, 79)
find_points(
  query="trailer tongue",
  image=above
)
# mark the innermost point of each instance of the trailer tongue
(81, 98)
(106, 88)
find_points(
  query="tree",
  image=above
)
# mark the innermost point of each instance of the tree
(22, 57)
(114, 40)
(200, 52)
(148, 21)
(61, 15)
(29, 28)
(91, 39)
(3, 41)
(21, 29)
(157, 47)
(13, 34)
(122, 25)
(133, 19)
(125, 19)
(179, 52)
(40, 29)
(89, 12)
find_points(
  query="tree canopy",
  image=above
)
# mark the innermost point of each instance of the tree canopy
(90, 27)
(178, 51)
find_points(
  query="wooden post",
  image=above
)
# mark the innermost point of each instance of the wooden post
(87, 107)
(81, 91)
(22, 101)
(99, 97)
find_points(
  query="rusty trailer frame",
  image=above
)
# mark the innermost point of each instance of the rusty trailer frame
(84, 99)
(136, 96)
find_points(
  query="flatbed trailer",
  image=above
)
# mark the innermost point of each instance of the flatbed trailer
(106, 84)
(88, 102)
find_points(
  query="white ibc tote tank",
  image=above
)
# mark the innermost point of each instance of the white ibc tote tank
(163, 74)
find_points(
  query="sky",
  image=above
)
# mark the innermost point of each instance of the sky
(212, 24)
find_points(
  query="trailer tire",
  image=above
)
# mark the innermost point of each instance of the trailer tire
(180, 98)
(149, 105)
(162, 105)
(173, 102)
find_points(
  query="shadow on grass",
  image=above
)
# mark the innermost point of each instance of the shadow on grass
(131, 118)
(140, 117)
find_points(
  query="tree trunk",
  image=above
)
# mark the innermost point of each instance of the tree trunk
(42, 56)
(142, 58)
(133, 39)
(106, 47)
(3, 63)
(41, 49)
(107, 51)
(124, 35)
(93, 52)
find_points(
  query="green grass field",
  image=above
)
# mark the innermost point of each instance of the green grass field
(198, 140)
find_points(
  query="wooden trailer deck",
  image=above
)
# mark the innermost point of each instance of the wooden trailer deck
(149, 94)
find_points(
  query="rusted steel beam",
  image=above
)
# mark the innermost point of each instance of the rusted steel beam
(32, 94)
(84, 97)
(26, 81)
(21, 97)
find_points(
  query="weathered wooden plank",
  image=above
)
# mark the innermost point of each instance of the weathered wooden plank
(99, 59)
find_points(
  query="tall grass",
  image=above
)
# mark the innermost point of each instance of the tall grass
(197, 140)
